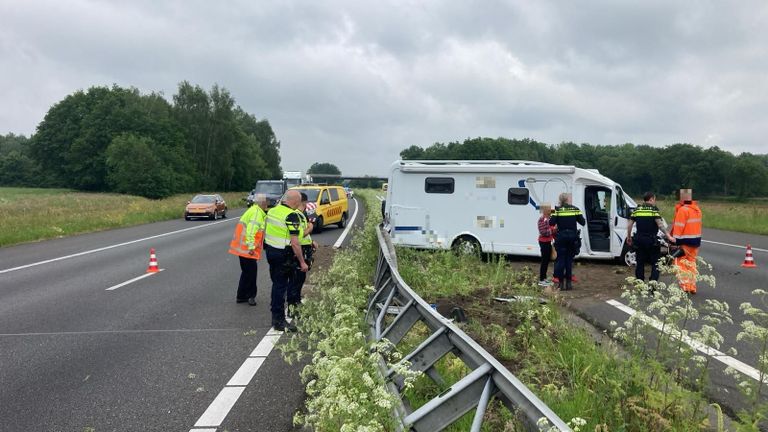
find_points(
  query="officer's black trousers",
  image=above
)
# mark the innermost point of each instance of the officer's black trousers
(564, 261)
(546, 257)
(281, 276)
(248, 273)
(647, 255)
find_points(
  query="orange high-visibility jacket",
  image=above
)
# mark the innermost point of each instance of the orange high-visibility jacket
(249, 233)
(686, 228)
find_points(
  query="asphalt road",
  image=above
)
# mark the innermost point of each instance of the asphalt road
(151, 355)
(725, 251)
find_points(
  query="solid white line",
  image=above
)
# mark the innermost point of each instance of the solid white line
(349, 226)
(734, 246)
(203, 430)
(715, 354)
(247, 370)
(265, 346)
(219, 408)
(113, 246)
(131, 281)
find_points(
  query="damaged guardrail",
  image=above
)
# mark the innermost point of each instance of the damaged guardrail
(489, 379)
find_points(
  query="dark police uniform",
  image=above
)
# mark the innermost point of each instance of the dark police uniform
(567, 241)
(299, 277)
(645, 240)
(282, 223)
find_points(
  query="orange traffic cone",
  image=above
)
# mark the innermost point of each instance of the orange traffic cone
(152, 262)
(749, 262)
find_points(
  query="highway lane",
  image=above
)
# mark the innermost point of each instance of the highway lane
(725, 252)
(151, 355)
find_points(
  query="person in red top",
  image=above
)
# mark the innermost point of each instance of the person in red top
(686, 233)
(546, 236)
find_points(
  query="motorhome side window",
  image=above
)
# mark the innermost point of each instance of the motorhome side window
(517, 196)
(622, 208)
(441, 185)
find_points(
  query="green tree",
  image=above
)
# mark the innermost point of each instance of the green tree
(323, 168)
(134, 168)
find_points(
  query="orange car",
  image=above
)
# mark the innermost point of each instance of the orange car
(209, 206)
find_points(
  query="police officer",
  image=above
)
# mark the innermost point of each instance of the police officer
(645, 241)
(282, 245)
(567, 240)
(308, 248)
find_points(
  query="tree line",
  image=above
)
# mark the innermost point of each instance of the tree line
(115, 139)
(638, 168)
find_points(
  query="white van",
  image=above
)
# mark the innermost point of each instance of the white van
(494, 205)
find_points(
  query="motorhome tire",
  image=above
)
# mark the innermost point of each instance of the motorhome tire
(466, 245)
(629, 257)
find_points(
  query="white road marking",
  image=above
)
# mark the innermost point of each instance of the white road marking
(350, 223)
(247, 370)
(734, 246)
(715, 354)
(203, 430)
(219, 408)
(265, 346)
(88, 252)
(132, 280)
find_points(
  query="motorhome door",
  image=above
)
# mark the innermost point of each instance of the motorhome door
(620, 213)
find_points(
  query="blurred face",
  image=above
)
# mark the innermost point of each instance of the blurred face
(686, 194)
(261, 201)
(652, 200)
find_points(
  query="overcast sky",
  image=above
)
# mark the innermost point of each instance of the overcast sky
(355, 82)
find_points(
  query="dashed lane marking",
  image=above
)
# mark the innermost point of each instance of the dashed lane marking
(715, 354)
(218, 410)
(132, 280)
(88, 252)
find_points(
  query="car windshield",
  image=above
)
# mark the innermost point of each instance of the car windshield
(311, 194)
(204, 199)
(269, 188)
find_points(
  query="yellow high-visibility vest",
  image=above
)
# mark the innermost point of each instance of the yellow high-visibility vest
(249, 233)
(277, 234)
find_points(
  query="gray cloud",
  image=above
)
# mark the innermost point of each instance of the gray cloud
(355, 82)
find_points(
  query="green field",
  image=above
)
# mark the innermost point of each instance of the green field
(747, 217)
(37, 214)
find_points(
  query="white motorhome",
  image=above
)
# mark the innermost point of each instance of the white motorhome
(494, 205)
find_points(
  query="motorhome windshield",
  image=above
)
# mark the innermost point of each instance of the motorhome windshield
(269, 188)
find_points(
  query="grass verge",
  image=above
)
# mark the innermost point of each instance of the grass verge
(28, 214)
(562, 364)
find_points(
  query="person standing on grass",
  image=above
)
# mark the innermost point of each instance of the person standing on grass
(545, 243)
(686, 233)
(567, 239)
(247, 245)
(645, 241)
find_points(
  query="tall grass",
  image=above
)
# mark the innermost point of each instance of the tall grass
(747, 217)
(38, 214)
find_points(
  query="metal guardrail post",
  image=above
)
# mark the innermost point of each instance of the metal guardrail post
(488, 378)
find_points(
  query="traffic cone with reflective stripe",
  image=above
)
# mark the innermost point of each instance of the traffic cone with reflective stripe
(152, 262)
(749, 262)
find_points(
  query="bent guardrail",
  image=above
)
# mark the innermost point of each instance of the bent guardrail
(489, 379)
